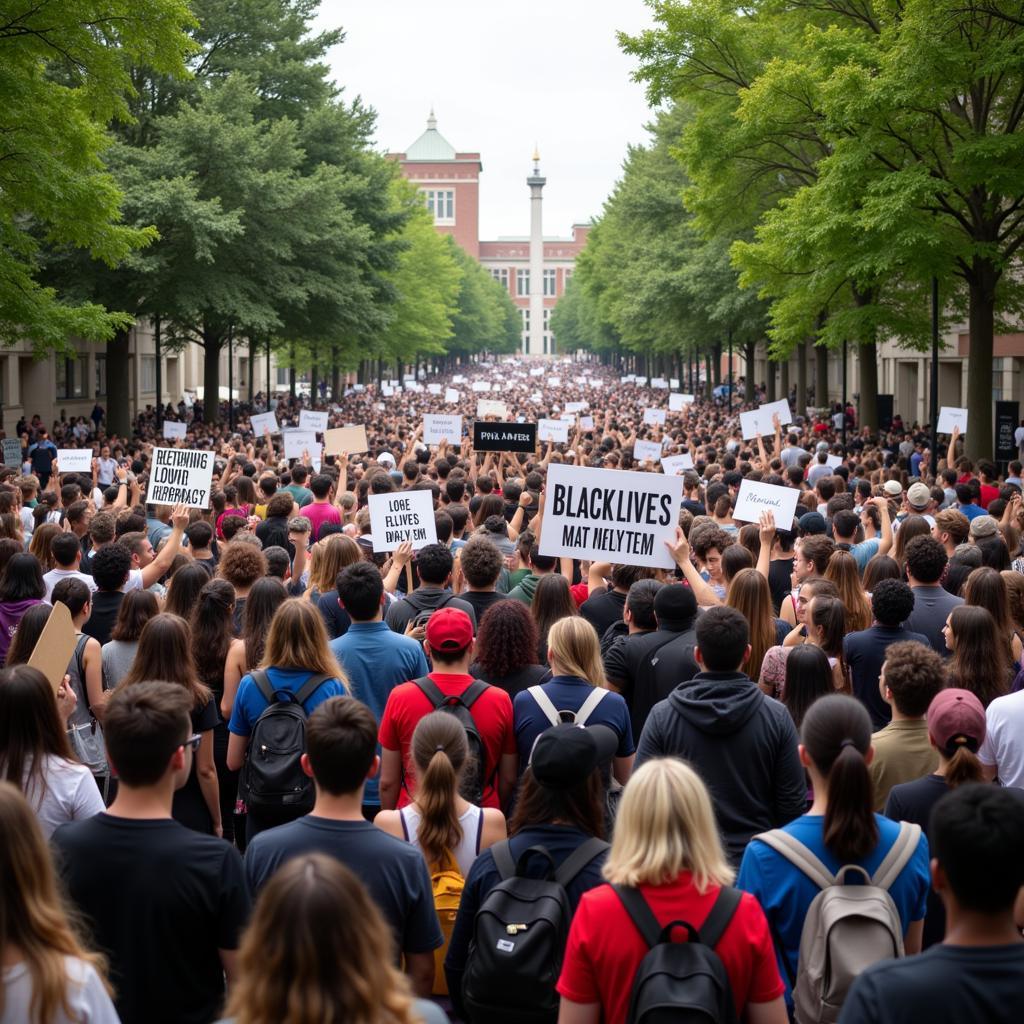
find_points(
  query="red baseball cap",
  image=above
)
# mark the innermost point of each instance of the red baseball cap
(956, 718)
(449, 630)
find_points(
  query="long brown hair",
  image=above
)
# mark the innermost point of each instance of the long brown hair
(39, 546)
(137, 607)
(328, 557)
(980, 661)
(165, 653)
(986, 588)
(581, 806)
(298, 640)
(211, 629)
(32, 917)
(439, 753)
(749, 594)
(183, 589)
(265, 597)
(552, 601)
(842, 571)
(27, 634)
(317, 949)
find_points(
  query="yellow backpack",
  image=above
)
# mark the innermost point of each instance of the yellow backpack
(447, 884)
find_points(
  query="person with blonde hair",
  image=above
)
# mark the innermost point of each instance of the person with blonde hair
(48, 976)
(842, 570)
(329, 556)
(346, 974)
(667, 861)
(577, 692)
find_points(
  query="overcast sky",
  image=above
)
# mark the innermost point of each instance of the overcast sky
(502, 76)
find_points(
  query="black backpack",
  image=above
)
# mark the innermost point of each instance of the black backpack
(473, 777)
(272, 775)
(519, 936)
(681, 982)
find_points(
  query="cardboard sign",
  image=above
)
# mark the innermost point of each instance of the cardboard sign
(676, 465)
(311, 420)
(759, 421)
(650, 450)
(577, 406)
(74, 460)
(487, 407)
(442, 428)
(12, 452)
(180, 476)
(345, 439)
(173, 430)
(263, 421)
(483, 386)
(950, 417)
(402, 516)
(505, 437)
(677, 402)
(451, 396)
(434, 389)
(654, 417)
(553, 430)
(298, 441)
(55, 647)
(754, 498)
(610, 516)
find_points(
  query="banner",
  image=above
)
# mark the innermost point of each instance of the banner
(610, 516)
(649, 450)
(442, 428)
(677, 402)
(451, 396)
(74, 460)
(180, 476)
(553, 430)
(505, 437)
(1007, 418)
(262, 421)
(312, 420)
(12, 452)
(654, 417)
(754, 498)
(402, 516)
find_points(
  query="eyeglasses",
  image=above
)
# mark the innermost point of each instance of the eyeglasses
(193, 741)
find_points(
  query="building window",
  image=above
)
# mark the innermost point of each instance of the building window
(997, 380)
(526, 319)
(547, 316)
(500, 274)
(148, 382)
(284, 378)
(566, 274)
(441, 204)
(70, 377)
(550, 283)
(101, 375)
(522, 282)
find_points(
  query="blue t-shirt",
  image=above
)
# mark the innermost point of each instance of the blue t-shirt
(250, 703)
(568, 693)
(376, 660)
(786, 893)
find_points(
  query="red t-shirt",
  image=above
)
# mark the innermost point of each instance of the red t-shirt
(319, 513)
(492, 713)
(605, 948)
(988, 493)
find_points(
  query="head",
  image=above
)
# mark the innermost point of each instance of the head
(361, 591)
(298, 639)
(911, 676)
(980, 660)
(812, 555)
(241, 565)
(924, 559)
(481, 562)
(165, 652)
(892, 602)
(986, 589)
(826, 624)
(880, 567)
(341, 743)
(434, 564)
(265, 597)
(22, 579)
(639, 610)
(808, 677)
(75, 594)
(507, 639)
(951, 528)
(552, 601)
(212, 630)
(42, 546)
(723, 640)
(956, 729)
(200, 535)
(184, 587)
(449, 639)
(574, 650)
(708, 547)
(135, 610)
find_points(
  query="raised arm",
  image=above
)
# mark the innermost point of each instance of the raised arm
(680, 552)
(885, 544)
(152, 572)
(766, 533)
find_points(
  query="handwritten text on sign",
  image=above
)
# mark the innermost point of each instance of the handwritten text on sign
(754, 498)
(405, 516)
(610, 515)
(180, 476)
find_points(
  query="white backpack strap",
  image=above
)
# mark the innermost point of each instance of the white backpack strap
(799, 856)
(544, 703)
(594, 698)
(899, 854)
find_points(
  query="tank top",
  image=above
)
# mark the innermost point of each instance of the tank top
(76, 670)
(472, 822)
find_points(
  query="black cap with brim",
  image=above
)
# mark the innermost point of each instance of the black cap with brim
(565, 755)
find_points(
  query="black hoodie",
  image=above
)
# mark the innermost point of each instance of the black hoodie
(741, 743)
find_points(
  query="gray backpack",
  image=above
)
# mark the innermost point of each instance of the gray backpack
(847, 927)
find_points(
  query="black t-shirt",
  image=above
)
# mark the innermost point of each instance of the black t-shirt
(336, 619)
(515, 682)
(189, 805)
(695, 508)
(481, 600)
(603, 610)
(944, 985)
(105, 605)
(780, 580)
(161, 900)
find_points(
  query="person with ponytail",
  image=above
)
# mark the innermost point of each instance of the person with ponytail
(956, 729)
(443, 825)
(839, 829)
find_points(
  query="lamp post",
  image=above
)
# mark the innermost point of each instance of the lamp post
(935, 377)
(844, 395)
(231, 376)
(729, 382)
(159, 375)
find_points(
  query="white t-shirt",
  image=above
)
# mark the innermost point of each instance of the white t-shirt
(54, 576)
(1004, 739)
(70, 793)
(105, 476)
(88, 999)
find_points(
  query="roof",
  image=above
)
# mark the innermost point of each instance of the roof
(431, 145)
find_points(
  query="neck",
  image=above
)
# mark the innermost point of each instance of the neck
(898, 716)
(146, 802)
(379, 617)
(343, 807)
(482, 590)
(971, 928)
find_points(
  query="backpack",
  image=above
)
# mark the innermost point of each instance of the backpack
(681, 982)
(557, 717)
(272, 775)
(519, 936)
(423, 613)
(446, 883)
(847, 927)
(473, 777)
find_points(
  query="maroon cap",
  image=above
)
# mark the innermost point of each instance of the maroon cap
(956, 718)
(449, 630)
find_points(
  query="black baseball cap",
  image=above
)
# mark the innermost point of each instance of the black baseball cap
(565, 755)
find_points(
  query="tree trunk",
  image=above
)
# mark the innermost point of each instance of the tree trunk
(981, 320)
(119, 413)
(335, 376)
(314, 373)
(291, 374)
(749, 354)
(801, 379)
(771, 386)
(707, 382)
(717, 363)
(867, 354)
(211, 374)
(784, 381)
(821, 375)
(253, 351)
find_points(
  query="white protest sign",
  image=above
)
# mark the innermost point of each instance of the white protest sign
(641, 382)
(650, 450)
(434, 389)
(586, 422)
(628, 378)
(676, 465)
(554, 382)
(482, 386)
(759, 421)
(451, 396)
(950, 417)
(358, 388)
(537, 371)
(673, 382)
(677, 402)
(311, 420)
(262, 421)
(387, 390)
(488, 407)
(659, 382)
(298, 441)
(402, 516)
(754, 498)
(411, 385)
(458, 379)
(12, 451)
(553, 430)
(654, 417)
(74, 460)
(180, 476)
(576, 406)
(174, 430)
(536, 397)
(833, 460)
(610, 516)
(442, 428)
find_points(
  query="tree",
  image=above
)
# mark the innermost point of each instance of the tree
(482, 322)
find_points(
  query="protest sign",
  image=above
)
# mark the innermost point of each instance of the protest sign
(754, 498)
(414, 386)
(950, 417)
(654, 417)
(677, 402)
(442, 428)
(759, 420)
(505, 437)
(833, 460)
(262, 421)
(553, 430)
(74, 460)
(173, 430)
(12, 452)
(659, 382)
(56, 646)
(451, 396)
(488, 407)
(676, 465)
(298, 441)
(434, 389)
(641, 382)
(345, 439)
(673, 382)
(387, 390)
(402, 516)
(458, 379)
(577, 406)
(586, 423)
(309, 419)
(537, 371)
(358, 388)
(646, 450)
(483, 386)
(180, 476)
(610, 515)
(554, 382)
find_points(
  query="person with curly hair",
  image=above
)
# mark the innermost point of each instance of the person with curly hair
(506, 649)
(241, 565)
(925, 563)
(480, 563)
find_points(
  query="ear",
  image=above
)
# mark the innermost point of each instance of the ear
(307, 768)
(869, 755)
(805, 758)
(698, 657)
(374, 767)
(939, 880)
(177, 762)
(746, 654)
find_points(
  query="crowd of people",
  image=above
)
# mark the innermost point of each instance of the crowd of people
(290, 779)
